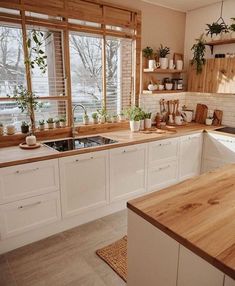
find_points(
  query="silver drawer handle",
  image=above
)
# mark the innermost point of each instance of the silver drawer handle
(162, 168)
(129, 151)
(164, 144)
(29, 205)
(82, 160)
(26, 171)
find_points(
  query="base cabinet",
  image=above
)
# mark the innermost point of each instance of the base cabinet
(127, 172)
(229, 281)
(84, 182)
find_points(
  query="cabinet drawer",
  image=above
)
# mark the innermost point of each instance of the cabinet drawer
(24, 181)
(163, 150)
(162, 176)
(19, 217)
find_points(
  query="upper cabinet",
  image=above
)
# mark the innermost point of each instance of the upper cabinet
(218, 76)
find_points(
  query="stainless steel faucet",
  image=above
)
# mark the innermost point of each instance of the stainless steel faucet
(74, 132)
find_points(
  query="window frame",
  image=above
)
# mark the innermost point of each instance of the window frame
(65, 26)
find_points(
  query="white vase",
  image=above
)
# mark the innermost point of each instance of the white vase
(142, 124)
(147, 123)
(152, 64)
(163, 63)
(134, 126)
(179, 65)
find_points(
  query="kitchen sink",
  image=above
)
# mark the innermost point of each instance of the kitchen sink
(230, 130)
(79, 143)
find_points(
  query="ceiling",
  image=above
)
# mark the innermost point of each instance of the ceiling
(183, 5)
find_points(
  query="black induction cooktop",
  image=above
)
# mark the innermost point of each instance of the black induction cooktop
(230, 130)
(79, 143)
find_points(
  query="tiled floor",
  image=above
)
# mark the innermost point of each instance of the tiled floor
(67, 258)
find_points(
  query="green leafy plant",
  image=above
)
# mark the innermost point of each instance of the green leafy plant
(148, 53)
(41, 122)
(85, 115)
(24, 123)
(26, 101)
(95, 115)
(232, 26)
(24, 127)
(102, 112)
(133, 113)
(199, 49)
(216, 28)
(63, 119)
(50, 120)
(147, 115)
(163, 51)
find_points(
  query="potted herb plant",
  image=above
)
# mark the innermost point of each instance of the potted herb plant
(50, 123)
(1, 129)
(41, 124)
(199, 49)
(63, 122)
(147, 120)
(148, 53)
(24, 127)
(121, 116)
(85, 119)
(102, 115)
(162, 53)
(57, 123)
(95, 118)
(215, 30)
(109, 118)
(133, 114)
(114, 118)
(232, 29)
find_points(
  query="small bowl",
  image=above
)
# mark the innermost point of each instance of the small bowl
(169, 86)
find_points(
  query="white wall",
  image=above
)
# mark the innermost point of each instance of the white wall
(196, 21)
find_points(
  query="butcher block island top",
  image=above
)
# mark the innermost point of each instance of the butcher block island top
(199, 213)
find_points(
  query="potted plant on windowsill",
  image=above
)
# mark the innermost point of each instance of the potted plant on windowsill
(57, 123)
(162, 53)
(41, 125)
(114, 118)
(147, 120)
(133, 114)
(1, 129)
(24, 127)
(121, 116)
(95, 118)
(63, 122)
(148, 53)
(85, 119)
(102, 115)
(232, 29)
(50, 123)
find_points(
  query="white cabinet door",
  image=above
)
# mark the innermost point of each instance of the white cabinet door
(127, 171)
(219, 147)
(229, 281)
(84, 182)
(190, 156)
(195, 271)
(211, 164)
(28, 180)
(163, 150)
(29, 214)
(152, 255)
(162, 175)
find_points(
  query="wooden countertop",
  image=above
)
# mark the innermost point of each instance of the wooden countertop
(10, 156)
(199, 213)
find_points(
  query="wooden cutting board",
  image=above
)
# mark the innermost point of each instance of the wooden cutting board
(201, 113)
(217, 117)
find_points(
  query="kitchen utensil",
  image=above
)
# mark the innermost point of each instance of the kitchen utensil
(178, 120)
(201, 113)
(217, 117)
(187, 115)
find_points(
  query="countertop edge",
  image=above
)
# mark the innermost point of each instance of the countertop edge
(198, 251)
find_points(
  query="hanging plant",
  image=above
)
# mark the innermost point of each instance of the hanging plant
(232, 26)
(199, 49)
(216, 29)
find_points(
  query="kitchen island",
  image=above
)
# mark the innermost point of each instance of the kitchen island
(184, 235)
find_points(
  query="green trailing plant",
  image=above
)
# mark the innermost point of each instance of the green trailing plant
(148, 53)
(27, 102)
(216, 28)
(199, 49)
(232, 26)
(163, 51)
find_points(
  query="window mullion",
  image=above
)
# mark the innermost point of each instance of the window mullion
(104, 69)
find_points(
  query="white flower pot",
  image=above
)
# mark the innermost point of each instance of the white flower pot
(85, 121)
(134, 126)
(95, 120)
(102, 119)
(216, 37)
(152, 64)
(62, 124)
(42, 127)
(57, 125)
(142, 124)
(50, 125)
(163, 63)
(147, 123)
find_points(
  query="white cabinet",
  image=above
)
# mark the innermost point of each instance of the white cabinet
(229, 281)
(127, 171)
(84, 182)
(28, 180)
(218, 150)
(190, 156)
(29, 214)
(194, 271)
(152, 255)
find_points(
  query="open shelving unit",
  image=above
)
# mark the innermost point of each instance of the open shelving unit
(219, 43)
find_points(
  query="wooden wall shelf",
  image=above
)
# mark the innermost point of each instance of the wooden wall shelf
(149, 92)
(165, 71)
(219, 43)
